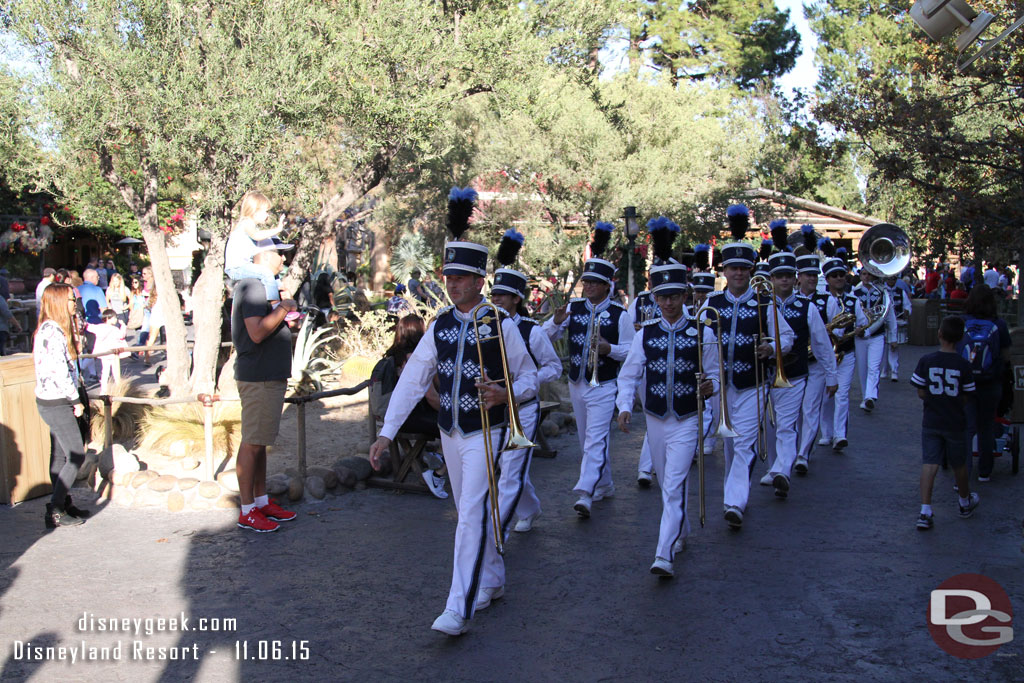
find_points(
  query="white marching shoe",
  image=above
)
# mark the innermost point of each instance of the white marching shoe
(582, 506)
(485, 596)
(680, 545)
(662, 568)
(644, 479)
(524, 524)
(451, 623)
(825, 441)
(435, 484)
(766, 480)
(800, 467)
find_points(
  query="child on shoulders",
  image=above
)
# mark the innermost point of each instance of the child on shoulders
(253, 212)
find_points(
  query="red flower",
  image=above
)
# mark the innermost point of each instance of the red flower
(17, 227)
(45, 220)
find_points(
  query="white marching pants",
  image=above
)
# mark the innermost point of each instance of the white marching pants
(673, 444)
(475, 554)
(810, 412)
(788, 403)
(892, 361)
(515, 490)
(740, 450)
(835, 411)
(711, 406)
(869, 364)
(644, 464)
(593, 407)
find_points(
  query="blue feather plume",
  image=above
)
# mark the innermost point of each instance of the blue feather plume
(508, 250)
(460, 208)
(737, 210)
(602, 235)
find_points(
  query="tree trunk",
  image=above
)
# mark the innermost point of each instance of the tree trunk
(370, 176)
(176, 374)
(207, 308)
(380, 262)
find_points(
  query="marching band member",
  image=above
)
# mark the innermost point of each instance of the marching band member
(835, 411)
(743, 314)
(663, 232)
(702, 283)
(449, 350)
(810, 336)
(901, 308)
(870, 348)
(808, 267)
(664, 363)
(594, 319)
(508, 292)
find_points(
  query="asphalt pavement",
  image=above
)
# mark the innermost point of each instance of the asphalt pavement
(831, 584)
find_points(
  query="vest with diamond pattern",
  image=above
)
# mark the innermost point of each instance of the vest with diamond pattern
(869, 296)
(820, 302)
(849, 305)
(739, 335)
(458, 369)
(670, 364)
(645, 306)
(525, 326)
(795, 311)
(579, 324)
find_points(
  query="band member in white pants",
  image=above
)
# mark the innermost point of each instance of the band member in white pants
(449, 350)
(901, 308)
(516, 491)
(835, 411)
(871, 345)
(596, 327)
(664, 362)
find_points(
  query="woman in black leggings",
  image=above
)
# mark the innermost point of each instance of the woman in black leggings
(55, 351)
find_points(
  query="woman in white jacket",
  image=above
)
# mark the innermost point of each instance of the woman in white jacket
(55, 350)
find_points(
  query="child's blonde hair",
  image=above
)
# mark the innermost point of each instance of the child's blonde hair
(251, 203)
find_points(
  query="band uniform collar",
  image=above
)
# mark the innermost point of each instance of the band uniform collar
(738, 299)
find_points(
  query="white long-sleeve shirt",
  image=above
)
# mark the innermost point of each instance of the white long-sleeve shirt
(626, 331)
(421, 367)
(632, 377)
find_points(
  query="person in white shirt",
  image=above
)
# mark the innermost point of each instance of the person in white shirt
(508, 292)
(992, 276)
(48, 275)
(449, 349)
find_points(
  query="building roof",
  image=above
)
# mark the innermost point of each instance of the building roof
(827, 220)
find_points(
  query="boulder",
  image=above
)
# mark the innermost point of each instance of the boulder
(228, 502)
(86, 471)
(200, 503)
(209, 489)
(328, 475)
(359, 464)
(277, 487)
(190, 462)
(175, 501)
(146, 497)
(346, 477)
(559, 418)
(122, 495)
(229, 480)
(295, 488)
(142, 478)
(360, 486)
(187, 483)
(118, 459)
(315, 487)
(549, 428)
(163, 483)
(180, 449)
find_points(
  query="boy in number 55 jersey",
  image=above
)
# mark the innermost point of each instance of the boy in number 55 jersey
(943, 379)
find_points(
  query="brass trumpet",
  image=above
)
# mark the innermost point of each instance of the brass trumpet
(593, 341)
(841, 320)
(724, 426)
(761, 285)
(517, 438)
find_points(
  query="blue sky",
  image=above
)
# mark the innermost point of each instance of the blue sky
(804, 75)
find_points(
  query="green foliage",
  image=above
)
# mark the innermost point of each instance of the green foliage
(740, 41)
(941, 152)
(411, 255)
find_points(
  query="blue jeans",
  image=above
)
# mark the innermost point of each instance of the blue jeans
(981, 416)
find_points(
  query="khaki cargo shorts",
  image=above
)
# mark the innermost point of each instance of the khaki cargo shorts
(262, 403)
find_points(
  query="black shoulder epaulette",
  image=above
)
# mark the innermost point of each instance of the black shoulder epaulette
(446, 309)
(618, 305)
(576, 299)
(529, 320)
(652, 321)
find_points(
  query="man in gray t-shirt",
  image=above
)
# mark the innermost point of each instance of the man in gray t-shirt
(263, 344)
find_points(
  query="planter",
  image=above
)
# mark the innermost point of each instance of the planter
(17, 285)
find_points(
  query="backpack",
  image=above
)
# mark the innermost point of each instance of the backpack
(980, 347)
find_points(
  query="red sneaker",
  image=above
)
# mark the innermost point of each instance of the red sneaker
(274, 511)
(256, 521)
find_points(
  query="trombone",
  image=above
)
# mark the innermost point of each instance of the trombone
(724, 426)
(762, 286)
(517, 439)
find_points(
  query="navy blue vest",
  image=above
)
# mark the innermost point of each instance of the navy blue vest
(579, 322)
(896, 294)
(795, 311)
(670, 365)
(645, 306)
(458, 369)
(525, 327)
(739, 336)
(848, 302)
(820, 301)
(869, 296)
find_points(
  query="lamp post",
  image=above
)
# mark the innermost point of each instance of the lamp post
(632, 230)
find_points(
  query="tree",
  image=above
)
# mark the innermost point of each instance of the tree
(140, 92)
(739, 41)
(943, 150)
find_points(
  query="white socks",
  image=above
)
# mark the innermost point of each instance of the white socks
(246, 509)
(926, 509)
(261, 500)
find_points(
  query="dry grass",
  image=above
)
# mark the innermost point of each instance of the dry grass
(124, 417)
(162, 426)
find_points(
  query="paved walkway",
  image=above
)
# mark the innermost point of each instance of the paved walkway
(832, 584)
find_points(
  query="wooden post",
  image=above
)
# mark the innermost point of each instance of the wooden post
(300, 419)
(108, 427)
(207, 400)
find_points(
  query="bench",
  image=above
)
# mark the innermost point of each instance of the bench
(405, 451)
